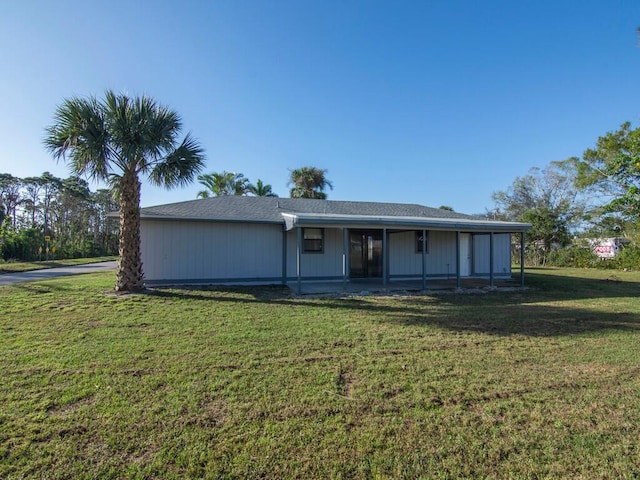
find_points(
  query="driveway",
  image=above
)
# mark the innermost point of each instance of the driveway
(9, 278)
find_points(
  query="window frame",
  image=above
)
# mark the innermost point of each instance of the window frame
(418, 242)
(306, 249)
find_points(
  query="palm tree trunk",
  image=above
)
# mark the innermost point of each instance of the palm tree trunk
(129, 277)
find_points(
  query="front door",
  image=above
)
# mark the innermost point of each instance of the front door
(365, 253)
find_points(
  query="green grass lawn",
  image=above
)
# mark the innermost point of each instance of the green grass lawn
(257, 383)
(17, 267)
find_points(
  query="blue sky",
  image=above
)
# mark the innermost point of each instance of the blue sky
(430, 102)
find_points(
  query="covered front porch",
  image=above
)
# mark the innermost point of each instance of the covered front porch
(352, 254)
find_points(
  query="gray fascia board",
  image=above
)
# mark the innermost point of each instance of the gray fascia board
(358, 221)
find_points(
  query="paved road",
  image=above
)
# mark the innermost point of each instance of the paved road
(9, 278)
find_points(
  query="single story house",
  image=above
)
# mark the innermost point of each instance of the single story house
(269, 240)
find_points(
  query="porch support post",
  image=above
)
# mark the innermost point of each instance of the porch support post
(299, 258)
(522, 258)
(284, 256)
(345, 240)
(491, 259)
(424, 259)
(385, 257)
(458, 260)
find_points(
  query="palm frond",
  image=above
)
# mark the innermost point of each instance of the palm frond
(81, 134)
(181, 166)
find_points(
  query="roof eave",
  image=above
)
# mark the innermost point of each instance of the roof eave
(176, 218)
(346, 221)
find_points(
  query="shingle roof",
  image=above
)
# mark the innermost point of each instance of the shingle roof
(270, 209)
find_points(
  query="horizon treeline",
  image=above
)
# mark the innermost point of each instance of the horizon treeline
(47, 217)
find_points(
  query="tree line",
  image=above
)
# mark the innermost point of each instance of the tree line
(47, 217)
(571, 201)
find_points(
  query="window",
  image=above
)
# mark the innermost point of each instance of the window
(312, 240)
(419, 242)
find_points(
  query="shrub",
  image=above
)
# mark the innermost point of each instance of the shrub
(583, 257)
(22, 245)
(574, 256)
(629, 257)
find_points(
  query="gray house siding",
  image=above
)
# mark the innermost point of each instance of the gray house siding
(203, 251)
(501, 254)
(245, 252)
(405, 261)
(325, 265)
(441, 257)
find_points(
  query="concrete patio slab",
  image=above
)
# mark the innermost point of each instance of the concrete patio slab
(371, 286)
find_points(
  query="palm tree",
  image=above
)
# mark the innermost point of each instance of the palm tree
(240, 184)
(214, 183)
(309, 182)
(224, 183)
(116, 140)
(261, 190)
